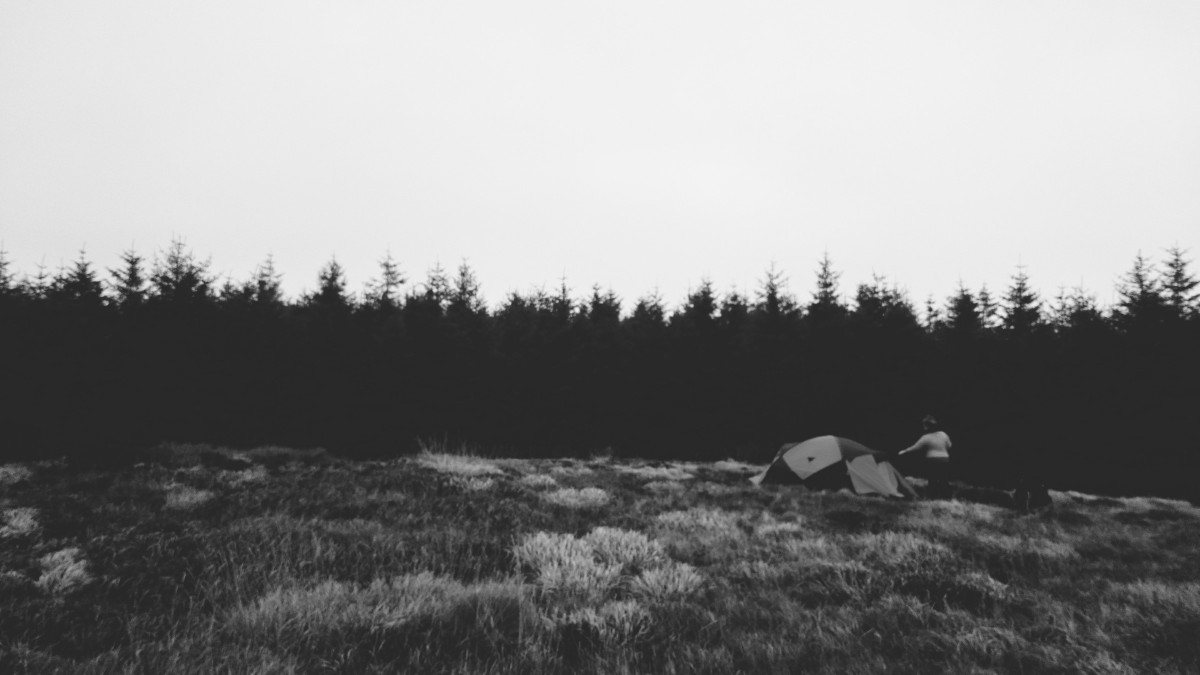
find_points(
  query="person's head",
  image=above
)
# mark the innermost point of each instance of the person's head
(930, 423)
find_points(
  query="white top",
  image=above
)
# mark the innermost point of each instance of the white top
(936, 445)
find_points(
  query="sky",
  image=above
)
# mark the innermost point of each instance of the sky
(638, 145)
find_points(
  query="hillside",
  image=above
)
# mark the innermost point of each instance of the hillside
(204, 560)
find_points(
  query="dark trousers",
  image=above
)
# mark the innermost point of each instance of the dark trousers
(937, 472)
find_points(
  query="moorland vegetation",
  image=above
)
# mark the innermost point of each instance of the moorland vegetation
(202, 559)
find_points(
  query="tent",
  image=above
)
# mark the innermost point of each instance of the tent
(833, 462)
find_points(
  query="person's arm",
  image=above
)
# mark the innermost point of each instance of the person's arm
(919, 445)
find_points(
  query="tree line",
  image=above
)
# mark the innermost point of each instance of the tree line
(98, 363)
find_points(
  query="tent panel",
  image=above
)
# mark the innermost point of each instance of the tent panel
(812, 455)
(851, 449)
(832, 477)
(902, 484)
(867, 477)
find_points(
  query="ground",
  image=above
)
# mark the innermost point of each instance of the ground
(207, 560)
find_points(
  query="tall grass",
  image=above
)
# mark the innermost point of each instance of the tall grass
(556, 566)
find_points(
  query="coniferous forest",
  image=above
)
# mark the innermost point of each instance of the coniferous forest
(97, 363)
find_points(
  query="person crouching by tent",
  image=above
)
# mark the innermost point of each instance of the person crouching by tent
(933, 449)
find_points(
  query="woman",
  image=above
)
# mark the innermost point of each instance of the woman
(934, 449)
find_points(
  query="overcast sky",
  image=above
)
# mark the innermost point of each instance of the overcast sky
(637, 145)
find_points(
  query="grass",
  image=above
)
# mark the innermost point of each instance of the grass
(205, 560)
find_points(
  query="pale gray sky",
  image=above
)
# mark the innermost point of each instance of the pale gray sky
(637, 145)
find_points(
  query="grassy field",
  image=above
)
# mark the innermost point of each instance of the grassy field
(275, 561)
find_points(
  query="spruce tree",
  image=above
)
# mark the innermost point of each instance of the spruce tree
(38, 287)
(7, 276)
(465, 294)
(699, 311)
(179, 280)
(774, 301)
(1141, 302)
(436, 289)
(78, 284)
(559, 307)
(933, 316)
(383, 293)
(734, 311)
(604, 308)
(826, 301)
(963, 313)
(882, 305)
(268, 285)
(989, 309)
(331, 288)
(1074, 310)
(1021, 306)
(649, 311)
(1179, 285)
(129, 282)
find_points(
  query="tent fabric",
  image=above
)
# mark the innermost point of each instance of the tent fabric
(835, 462)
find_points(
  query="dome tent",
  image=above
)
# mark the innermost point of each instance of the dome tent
(833, 462)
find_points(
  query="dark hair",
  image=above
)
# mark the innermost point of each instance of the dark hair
(930, 423)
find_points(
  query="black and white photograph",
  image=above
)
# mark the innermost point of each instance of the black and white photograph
(526, 337)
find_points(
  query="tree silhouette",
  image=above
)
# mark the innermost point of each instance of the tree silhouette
(78, 284)
(160, 356)
(383, 293)
(963, 316)
(1179, 285)
(179, 280)
(268, 286)
(129, 282)
(826, 301)
(1141, 303)
(1021, 306)
(7, 276)
(331, 289)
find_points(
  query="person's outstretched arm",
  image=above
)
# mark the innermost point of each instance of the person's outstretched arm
(919, 445)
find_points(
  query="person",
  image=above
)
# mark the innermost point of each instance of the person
(933, 449)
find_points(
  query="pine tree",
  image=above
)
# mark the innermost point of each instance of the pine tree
(879, 304)
(179, 279)
(384, 293)
(129, 283)
(239, 295)
(773, 300)
(933, 316)
(988, 308)
(1075, 309)
(436, 289)
(700, 309)
(734, 311)
(963, 313)
(465, 292)
(1021, 306)
(268, 285)
(1179, 285)
(604, 308)
(1141, 301)
(38, 287)
(7, 277)
(560, 307)
(78, 284)
(826, 303)
(331, 288)
(649, 311)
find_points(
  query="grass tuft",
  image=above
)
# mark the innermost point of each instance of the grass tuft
(11, 474)
(18, 522)
(63, 571)
(458, 465)
(182, 497)
(578, 498)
